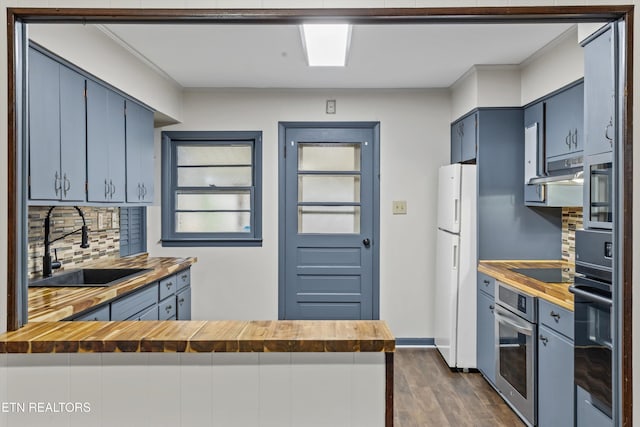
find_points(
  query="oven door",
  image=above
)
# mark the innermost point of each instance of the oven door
(598, 195)
(515, 361)
(593, 345)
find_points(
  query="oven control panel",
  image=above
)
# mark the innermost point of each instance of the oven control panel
(516, 301)
(522, 304)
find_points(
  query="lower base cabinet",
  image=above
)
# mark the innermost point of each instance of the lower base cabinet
(167, 299)
(486, 347)
(555, 379)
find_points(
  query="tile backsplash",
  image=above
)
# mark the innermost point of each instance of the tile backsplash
(104, 235)
(571, 221)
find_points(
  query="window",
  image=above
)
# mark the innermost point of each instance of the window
(211, 188)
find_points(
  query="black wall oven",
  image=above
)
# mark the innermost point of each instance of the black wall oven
(593, 354)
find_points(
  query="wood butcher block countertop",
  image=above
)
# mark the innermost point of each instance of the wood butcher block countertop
(201, 336)
(556, 293)
(49, 304)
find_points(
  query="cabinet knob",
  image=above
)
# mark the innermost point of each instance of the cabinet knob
(169, 285)
(544, 339)
(184, 277)
(492, 307)
(181, 301)
(486, 282)
(168, 308)
(555, 315)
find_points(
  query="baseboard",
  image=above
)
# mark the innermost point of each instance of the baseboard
(415, 342)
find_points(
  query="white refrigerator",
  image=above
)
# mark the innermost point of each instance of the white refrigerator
(456, 266)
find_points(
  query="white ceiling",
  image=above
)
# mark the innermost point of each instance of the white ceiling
(381, 56)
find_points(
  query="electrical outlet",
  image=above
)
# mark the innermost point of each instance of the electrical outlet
(399, 207)
(331, 106)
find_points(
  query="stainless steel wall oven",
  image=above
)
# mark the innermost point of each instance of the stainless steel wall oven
(598, 191)
(593, 358)
(516, 352)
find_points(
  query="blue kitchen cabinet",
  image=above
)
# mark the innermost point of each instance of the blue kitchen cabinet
(555, 378)
(534, 194)
(486, 346)
(105, 144)
(599, 92)
(464, 139)
(564, 124)
(139, 153)
(183, 300)
(57, 132)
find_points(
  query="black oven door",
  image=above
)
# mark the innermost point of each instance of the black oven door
(593, 344)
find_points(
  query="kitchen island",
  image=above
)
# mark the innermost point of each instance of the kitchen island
(192, 373)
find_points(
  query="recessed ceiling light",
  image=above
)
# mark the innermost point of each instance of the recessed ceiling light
(326, 45)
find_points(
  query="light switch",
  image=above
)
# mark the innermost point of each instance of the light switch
(399, 207)
(331, 106)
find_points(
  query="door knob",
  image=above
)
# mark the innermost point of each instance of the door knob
(366, 243)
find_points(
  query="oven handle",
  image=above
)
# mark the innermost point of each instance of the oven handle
(506, 317)
(589, 296)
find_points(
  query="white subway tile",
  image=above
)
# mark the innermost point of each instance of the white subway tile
(235, 389)
(196, 389)
(39, 381)
(85, 384)
(321, 381)
(275, 390)
(124, 389)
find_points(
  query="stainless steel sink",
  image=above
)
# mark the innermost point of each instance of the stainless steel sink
(89, 277)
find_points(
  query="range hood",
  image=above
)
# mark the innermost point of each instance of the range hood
(561, 185)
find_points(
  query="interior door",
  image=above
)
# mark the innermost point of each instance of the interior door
(330, 238)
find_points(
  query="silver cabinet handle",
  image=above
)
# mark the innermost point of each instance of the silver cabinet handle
(67, 184)
(57, 186)
(168, 308)
(606, 131)
(144, 191)
(112, 189)
(555, 315)
(575, 138)
(567, 140)
(492, 307)
(106, 188)
(544, 339)
(186, 276)
(169, 285)
(181, 301)
(139, 191)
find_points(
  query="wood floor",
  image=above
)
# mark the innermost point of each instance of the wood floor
(427, 393)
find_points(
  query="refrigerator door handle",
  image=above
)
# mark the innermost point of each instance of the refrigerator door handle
(455, 211)
(455, 256)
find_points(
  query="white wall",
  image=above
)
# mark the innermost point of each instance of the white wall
(242, 283)
(92, 50)
(555, 65)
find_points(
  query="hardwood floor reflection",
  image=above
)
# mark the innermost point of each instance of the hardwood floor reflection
(427, 393)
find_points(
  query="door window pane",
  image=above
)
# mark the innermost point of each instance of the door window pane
(213, 155)
(329, 219)
(213, 222)
(328, 157)
(329, 188)
(213, 201)
(214, 176)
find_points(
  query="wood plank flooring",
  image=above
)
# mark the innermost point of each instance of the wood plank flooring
(428, 393)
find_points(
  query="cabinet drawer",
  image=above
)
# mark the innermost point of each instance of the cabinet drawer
(486, 283)
(100, 313)
(184, 278)
(126, 307)
(167, 309)
(150, 314)
(168, 287)
(556, 318)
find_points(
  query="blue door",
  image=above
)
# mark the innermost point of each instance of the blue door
(329, 220)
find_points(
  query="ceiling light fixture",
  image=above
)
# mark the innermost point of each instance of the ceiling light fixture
(326, 45)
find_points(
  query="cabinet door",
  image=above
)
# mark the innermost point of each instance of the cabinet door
(486, 337)
(563, 123)
(139, 142)
(97, 143)
(555, 379)
(116, 141)
(44, 127)
(599, 93)
(456, 142)
(73, 135)
(105, 144)
(469, 137)
(183, 299)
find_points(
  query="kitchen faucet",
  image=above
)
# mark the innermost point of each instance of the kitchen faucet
(47, 265)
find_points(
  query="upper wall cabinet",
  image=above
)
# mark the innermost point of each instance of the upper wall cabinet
(105, 144)
(564, 118)
(56, 131)
(464, 138)
(139, 149)
(599, 93)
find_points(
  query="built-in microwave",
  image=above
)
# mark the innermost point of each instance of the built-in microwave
(598, 191)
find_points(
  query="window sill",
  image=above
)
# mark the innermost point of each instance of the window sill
(211, 242)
